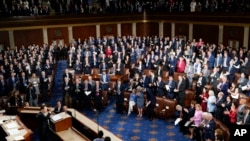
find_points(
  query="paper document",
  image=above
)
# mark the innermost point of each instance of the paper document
(13, 131)
(18, 138)
(87, 92)
(12, 125)
(177, 121)
(56, 117)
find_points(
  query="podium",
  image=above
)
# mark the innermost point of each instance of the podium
(61, 122)
(12, 129)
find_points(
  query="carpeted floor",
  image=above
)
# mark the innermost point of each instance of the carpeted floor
(129, 128)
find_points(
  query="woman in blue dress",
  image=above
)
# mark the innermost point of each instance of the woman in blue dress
(139, 101)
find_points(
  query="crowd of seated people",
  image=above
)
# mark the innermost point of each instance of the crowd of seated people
(27, 71)
(44, 7)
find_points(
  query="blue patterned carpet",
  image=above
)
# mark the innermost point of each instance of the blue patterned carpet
(129, 128)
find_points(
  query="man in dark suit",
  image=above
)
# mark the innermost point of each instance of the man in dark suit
(199, 86)
(43, 123)
(23, 83)
(231, 71)
(97, 96)
(223, 86)
(150, 104)
(3, 86)
(170, 86)
(119, 91)
(77, 97)
(209, 127)
(144, 81)
(104, 80)
(160, 87)
(78, 67)
(13, 82)
(44, 86)
(58, 108)
(87, 92)
(67, 74)
(67, 87)
(119, 67)
(180, 90)
(214, 79)
(152, 82)
(172, 64)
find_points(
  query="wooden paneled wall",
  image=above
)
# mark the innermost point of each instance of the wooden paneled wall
(147, 29)
(209, 33)
(182, 29)
(4, 38)
(58, 34)
(22, 37)
(84, 32)
(126, 29)
(205, 31)
(233, 33)
(167, 30)
(108, 29)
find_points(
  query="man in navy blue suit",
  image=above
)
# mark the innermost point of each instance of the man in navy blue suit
(104, 80)
(223, 87)
(209, 127)
(231, 71)
(172, 64)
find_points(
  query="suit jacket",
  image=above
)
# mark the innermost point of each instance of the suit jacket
(3, 88)
(159, 72)
(121, 69)
(58, 110)
(16, 101)
(181, 88)
(69, 75)
(209, 130)
(224, 87)
(160, 88)
(247, 118)
(218, 62)
(211, 61)
(78, 68)
(171, 85)
(43, 125)
(13, 84)
(119, 93)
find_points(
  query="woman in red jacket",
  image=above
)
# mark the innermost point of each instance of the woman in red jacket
(232, 114)
(108, 51)
(181, 64)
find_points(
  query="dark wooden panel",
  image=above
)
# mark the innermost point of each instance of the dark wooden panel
(248, 47)
(126, 29)
(230, 17)
(209, 33)
(4, 38)
(233, 33)
(28, 37)
(167, 30)
(147, 29)
(181, 29)
(108, 29)
(84, 32)
(58, 33)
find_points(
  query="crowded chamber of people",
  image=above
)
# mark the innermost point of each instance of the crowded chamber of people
(26, 70)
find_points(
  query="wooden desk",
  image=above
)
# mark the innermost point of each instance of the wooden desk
(92, 125)
(64, 123)
(72, 135)
(82, 121)
(14, 129)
